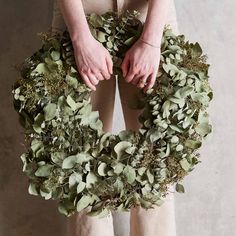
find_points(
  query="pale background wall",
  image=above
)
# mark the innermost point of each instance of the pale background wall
(208, 207)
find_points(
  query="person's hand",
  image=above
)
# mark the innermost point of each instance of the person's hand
(141, 64)
(93, 61)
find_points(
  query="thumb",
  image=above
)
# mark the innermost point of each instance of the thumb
(109, 64)
(125, 66)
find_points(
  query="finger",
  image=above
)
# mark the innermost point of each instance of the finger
(109, 64)
(87, 81)
(92, 78)
(131, 73)
(143, 80)
(135, 80)
(105, 73)
(125, 66)
(151, 81)
(98, 75)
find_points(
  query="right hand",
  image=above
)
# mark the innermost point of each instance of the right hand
(93, 60)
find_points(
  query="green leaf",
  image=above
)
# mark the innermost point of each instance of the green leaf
(185, 164)
(150, 176)
(101, 169)
(74, 179)
(196, 50)
(193, 144)
(118, 185)
(179, 148)
(146, 189)
(100, 213)
(166, 109)
(109, 44)
(179, 188)
(63, 209)
(130, 41)
(130, 150)
(176, 128)
(184, 92)
(129, 173)
(203, 129)
(50, 111)
(91, 179)
(70, 101)
(55, 55)
(32, 189)
(118, 168)
(101, 36)
(145, 204)
(41, 68)
(69, 162)
(73, 82)
(121, 147)
(84, 201)
(154, 134)
(174, 139)
(58, 157)
(179, 101)
(81, 186)
(142, 170)
(103, 140)
(95, 20)
(125, 135)
(36, 145)
(169, 67)
(79, 158)
(44, 170)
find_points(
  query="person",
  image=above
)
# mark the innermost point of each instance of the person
(139, 68)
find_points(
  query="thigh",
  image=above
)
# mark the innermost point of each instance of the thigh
(98, 7)
(142, 7)
(89, 6)
(128, 93)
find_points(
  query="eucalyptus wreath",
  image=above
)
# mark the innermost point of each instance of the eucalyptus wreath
(70, 158)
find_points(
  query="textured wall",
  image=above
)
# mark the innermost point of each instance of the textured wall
(208, 207)
(20, 214)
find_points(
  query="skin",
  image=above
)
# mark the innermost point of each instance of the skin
(94, 63)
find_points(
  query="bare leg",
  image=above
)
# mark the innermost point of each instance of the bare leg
(159, 221)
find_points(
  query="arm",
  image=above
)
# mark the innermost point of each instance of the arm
(93, 60)
(141, 62)
(155, 21)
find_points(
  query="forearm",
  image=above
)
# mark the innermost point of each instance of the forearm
(75, 19)
(155, 21)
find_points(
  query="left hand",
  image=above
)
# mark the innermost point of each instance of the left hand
(141, 64)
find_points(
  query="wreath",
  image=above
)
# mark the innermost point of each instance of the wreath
(70, 158)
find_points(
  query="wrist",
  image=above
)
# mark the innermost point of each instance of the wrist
(154, 39)
(79, 43)
(152, 35)
(150, 44)
(78, 34)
